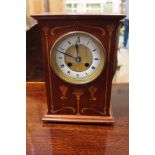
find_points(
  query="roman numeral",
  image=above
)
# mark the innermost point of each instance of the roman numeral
(62, 66)
(77, 75)
(69, 42)
(68, 72)
(93, 67)
(96, 59)
(78, 39)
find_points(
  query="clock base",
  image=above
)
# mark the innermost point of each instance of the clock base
(78, 119)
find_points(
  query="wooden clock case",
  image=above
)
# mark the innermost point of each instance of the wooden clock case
(87, 103)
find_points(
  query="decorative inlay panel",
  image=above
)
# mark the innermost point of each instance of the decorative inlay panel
(63, 90)
(92, 91)
(102, 30)
(78, 93)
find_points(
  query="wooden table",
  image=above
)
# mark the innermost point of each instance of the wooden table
(76, 139)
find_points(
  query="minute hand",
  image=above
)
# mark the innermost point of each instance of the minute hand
(67, 54)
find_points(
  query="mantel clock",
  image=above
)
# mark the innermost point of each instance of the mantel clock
(80, 59)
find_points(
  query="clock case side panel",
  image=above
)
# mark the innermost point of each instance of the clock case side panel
(113, 35)
(45, 48)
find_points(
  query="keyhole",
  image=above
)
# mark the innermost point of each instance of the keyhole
(86, 64)
(69, 64)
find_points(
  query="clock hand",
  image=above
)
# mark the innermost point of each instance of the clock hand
(67, 54)
(77, 49)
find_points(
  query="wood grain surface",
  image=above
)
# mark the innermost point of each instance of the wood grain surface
(105, 28)
(76, 139)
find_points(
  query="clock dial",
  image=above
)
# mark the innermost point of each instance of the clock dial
(77, 57)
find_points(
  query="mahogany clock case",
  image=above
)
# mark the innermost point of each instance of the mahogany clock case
(79, 103)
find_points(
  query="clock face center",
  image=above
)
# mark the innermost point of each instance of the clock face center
(78, 59)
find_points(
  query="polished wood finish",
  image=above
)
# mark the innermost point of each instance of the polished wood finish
(105, 28)
(34, 61)
(75, 16)
(78, 119)
(72, 139)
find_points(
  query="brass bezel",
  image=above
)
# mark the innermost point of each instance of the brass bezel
(71, 80)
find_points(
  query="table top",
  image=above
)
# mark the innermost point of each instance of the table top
(72, 139)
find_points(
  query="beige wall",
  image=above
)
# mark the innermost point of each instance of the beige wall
(34, 6)
(56, 5)
(38, 6)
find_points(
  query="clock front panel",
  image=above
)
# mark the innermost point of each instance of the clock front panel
(80, 66)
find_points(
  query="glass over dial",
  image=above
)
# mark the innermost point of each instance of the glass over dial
(77, 57)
